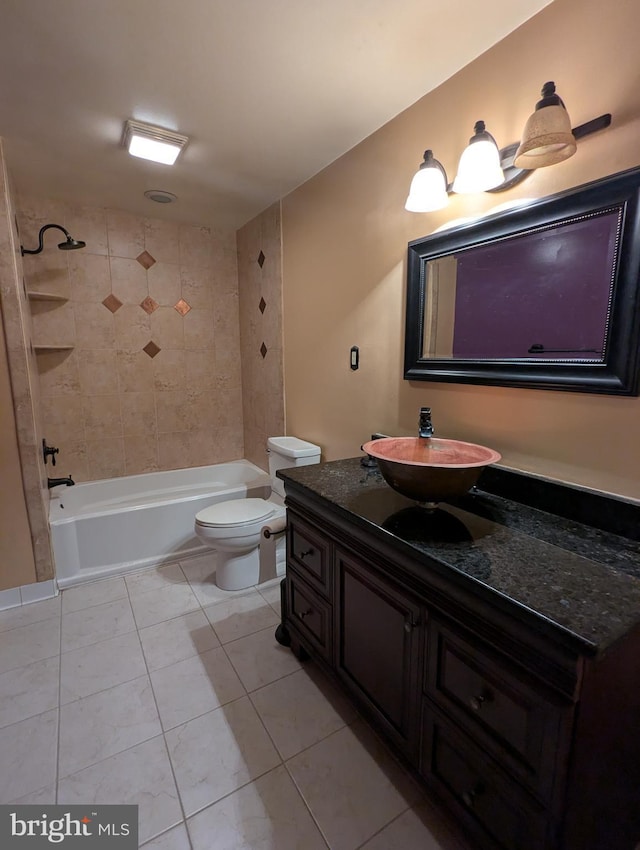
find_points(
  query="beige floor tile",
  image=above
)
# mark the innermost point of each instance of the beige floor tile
(27, 691)
(419, 828)
(268, 814)
(241, 616)
(200, 572)
(271, 594)
(167, 602)
(259, 659)
(195, 686)
(95, 624)
(101, 725)
(28, 755)
(177, 639)
(154, 579)
(26, 644)
(100, 666)
(94, 593)
(368, 788)
(219, 752)
(42, 797)
(299, 711)
(175, 839)
(139, 776)
(35, 612)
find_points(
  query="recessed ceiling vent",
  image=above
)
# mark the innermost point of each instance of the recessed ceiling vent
(160, 196)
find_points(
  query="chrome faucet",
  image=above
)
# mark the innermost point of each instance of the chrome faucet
(425, 426)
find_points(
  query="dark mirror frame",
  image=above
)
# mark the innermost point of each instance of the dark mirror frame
(619, 371)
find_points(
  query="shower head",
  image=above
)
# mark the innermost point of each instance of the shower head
(70, 244)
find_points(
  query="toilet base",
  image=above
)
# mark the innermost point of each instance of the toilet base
(237, 571)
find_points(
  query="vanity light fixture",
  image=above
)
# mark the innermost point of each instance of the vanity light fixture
(547, 139)
(428, 190)
(154, 143)
(479, 169)
(547, 136)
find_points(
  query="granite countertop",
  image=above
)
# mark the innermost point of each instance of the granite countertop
(584, 580)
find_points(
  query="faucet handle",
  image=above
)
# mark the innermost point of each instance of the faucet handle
(49, 450)
(425, 426)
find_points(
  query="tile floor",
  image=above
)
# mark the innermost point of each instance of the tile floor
(160, 689)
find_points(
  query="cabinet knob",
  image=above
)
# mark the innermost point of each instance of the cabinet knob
(469, 797)
(476, 702)
(306, 554)
(306, 613)
(409, 625)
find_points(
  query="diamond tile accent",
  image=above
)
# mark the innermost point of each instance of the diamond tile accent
(182, 307)
(262, 305)
(151, 349)
(149, 305)
(145, 259)
(261, 259)
(112, 303)
(263, 350)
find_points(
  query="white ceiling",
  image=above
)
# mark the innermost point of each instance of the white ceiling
(268, 91)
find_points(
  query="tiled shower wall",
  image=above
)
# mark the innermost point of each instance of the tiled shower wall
(148, 376)
(260, 284)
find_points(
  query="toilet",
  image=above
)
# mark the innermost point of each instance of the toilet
(233, 528)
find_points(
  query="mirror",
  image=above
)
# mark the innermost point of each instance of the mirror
(543, 296)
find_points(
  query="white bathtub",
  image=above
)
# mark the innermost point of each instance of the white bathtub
(114, 526)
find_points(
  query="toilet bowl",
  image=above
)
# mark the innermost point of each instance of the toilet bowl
(233, 529)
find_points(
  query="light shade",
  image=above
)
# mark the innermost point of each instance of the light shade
(428, 190)
(547, 136)
(154, 143)
(479, 168)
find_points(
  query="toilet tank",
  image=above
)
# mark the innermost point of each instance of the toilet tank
(285, 452)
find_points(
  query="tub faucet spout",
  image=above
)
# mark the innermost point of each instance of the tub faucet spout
(56, 482)
(425, 426)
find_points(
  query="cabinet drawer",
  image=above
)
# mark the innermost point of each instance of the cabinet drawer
(307, 550)
(310, 615)
(498, 704)
(494, 807)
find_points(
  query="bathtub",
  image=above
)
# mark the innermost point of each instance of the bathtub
(110, 527)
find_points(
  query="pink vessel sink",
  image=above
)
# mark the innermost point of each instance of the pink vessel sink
(430, 469)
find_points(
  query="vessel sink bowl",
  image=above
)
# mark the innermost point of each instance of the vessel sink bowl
(429, 469)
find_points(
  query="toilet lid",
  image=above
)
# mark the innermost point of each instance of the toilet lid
(235, 512)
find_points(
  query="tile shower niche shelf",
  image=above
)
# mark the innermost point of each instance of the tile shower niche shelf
(45, 296)
(41, 348)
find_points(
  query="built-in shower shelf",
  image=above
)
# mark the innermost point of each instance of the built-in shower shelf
(41, 348)
(46, 296)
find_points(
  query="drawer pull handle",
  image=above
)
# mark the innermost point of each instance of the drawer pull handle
(476, 702)
(306, 613)
(409, 625)
(306, 554)
(469, 797)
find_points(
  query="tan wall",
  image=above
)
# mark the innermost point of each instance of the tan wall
(260, 287)
(345, 234)
(17, 566)
(109, 406)
(28, 542)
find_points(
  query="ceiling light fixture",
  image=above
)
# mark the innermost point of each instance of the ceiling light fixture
(547, 139)
(154, 143)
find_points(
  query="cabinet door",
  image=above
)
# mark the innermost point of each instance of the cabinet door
(378, 647)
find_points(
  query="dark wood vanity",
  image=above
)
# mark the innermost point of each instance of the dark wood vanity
(495, 646)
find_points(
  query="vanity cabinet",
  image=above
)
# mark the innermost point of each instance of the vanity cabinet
(502, 722)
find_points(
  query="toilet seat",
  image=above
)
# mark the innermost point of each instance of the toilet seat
(237, 512)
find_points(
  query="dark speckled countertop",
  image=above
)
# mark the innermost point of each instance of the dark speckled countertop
(584, 580)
